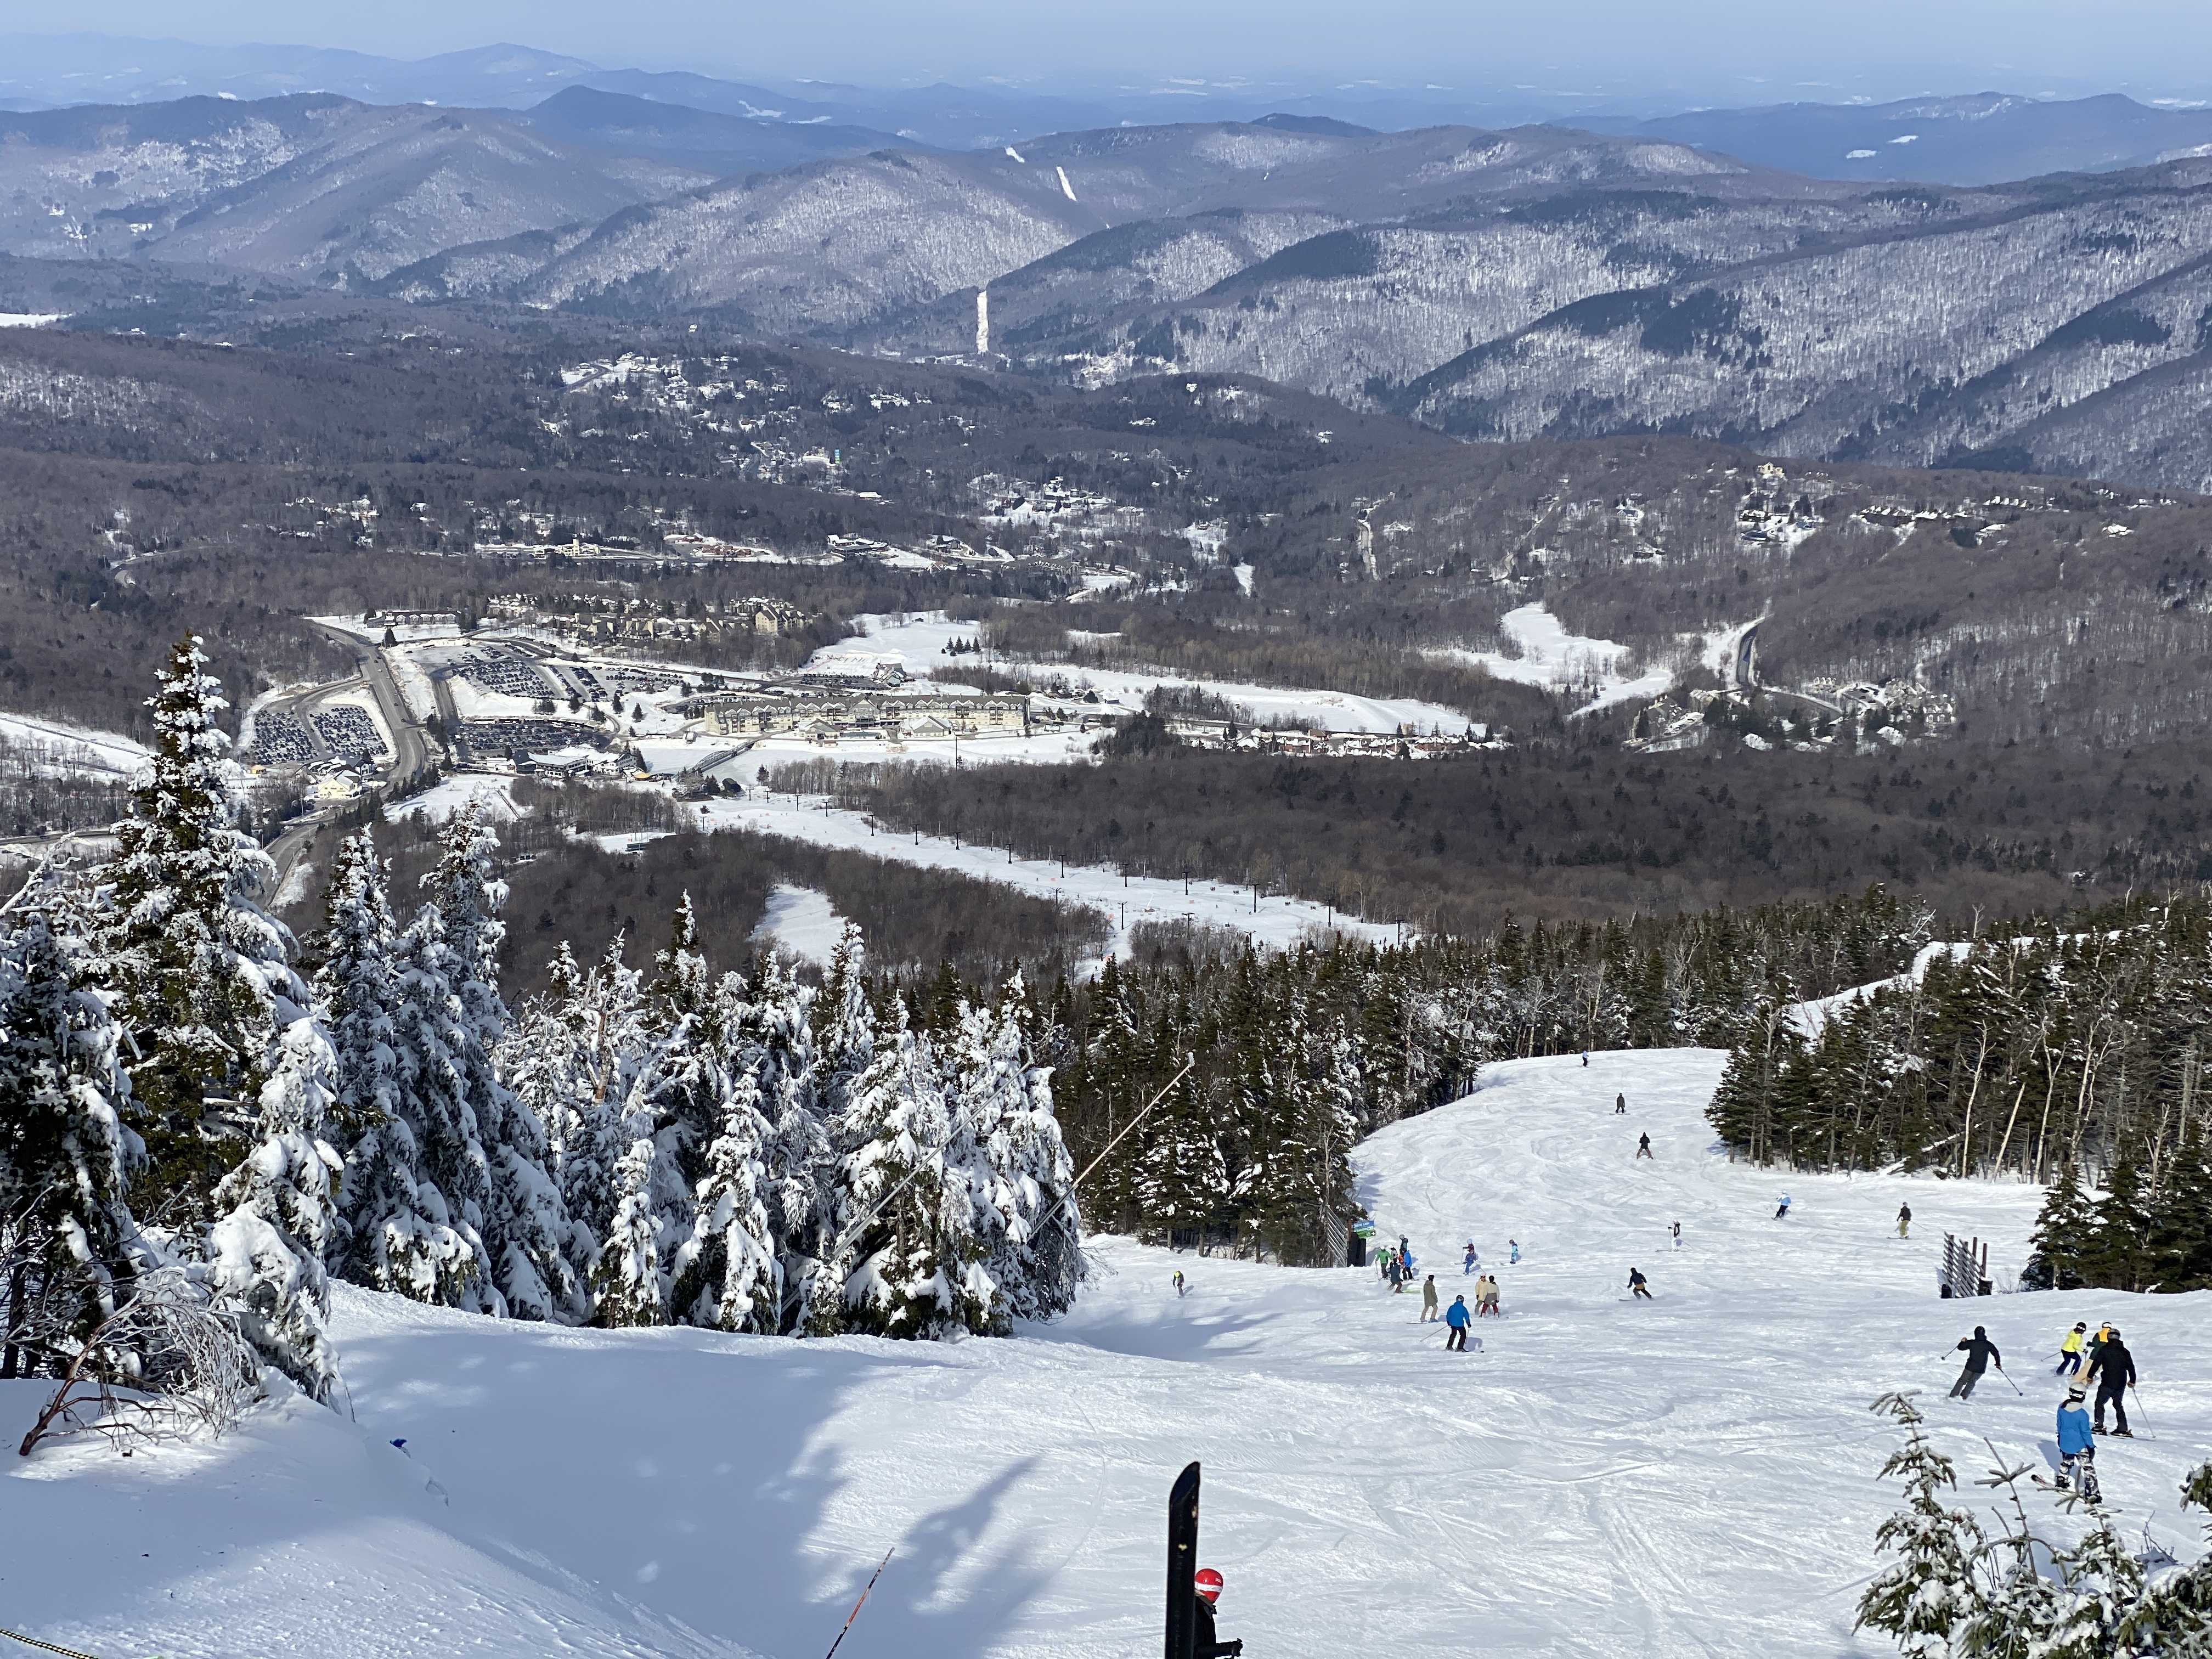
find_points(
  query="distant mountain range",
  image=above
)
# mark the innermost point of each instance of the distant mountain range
(1983, 139)
(1525, 282)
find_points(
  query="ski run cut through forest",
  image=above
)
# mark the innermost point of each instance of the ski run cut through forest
(1691, 1475)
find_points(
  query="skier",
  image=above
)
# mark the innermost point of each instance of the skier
(1209, 1645)
(2069, 1351)
(2077, 1446)
(1485, 1297)
(1979, 1352)
(2095, 1345)
(1585, 1059)
(1637, 1285)
(1677, 1230)
(1458, 1318)
(1428, 1298)
(1179, 1284)
(1468, 1265)
(1782, 1208)
(1516, 1257)
(2113, 1371)
(1644, 1147)
(1620, 1105)
(1903, 1220)
(1395, 1269)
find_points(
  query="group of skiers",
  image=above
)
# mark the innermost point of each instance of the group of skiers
(2110, 1372)
(1396, 1265)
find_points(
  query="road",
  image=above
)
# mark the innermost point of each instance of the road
(412, 751)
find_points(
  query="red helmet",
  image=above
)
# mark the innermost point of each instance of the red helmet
(1209, 1583)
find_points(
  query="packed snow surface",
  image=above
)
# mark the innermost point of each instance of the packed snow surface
(449, 795)
(1692, 1476)
(917, 641)
(74, 750)
(801, 922)
(1270, 919)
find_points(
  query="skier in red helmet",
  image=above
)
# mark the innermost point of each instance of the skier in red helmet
(1209, 1592)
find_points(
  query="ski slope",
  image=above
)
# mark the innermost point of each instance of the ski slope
(1690, 1477)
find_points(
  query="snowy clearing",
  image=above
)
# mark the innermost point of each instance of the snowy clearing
(916, 642)
(1694, 1476)
(449, 795)
(801, 922)
(30, 319)
(1278, 921)
(74, 750)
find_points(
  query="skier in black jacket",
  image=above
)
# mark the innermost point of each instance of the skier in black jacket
(1209, 1589)
(1980, 1353)
(2114, 1370)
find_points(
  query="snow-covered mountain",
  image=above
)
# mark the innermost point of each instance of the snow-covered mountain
(313, 185)
(1980, 138)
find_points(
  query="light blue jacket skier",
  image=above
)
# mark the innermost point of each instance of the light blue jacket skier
(2074, 1434)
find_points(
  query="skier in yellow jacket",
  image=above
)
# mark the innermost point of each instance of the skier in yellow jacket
(2069, 1351)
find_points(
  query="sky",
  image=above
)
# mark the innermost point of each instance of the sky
(1744, 50)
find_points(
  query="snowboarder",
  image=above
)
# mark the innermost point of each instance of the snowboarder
(1782, 1208)
(1458, 1318)
(2069, 1350)
(2077, 1446)
(1644, 1147)
(2113, 1369)
(1428, 1298)
(1516, 1257)
(1179, 1284)
(1472, 1261)
(1620, 1105)
(1979, 1352)
(1637, 1286)
(1903, 1220)
(1209, 1645)
(1677, 1230)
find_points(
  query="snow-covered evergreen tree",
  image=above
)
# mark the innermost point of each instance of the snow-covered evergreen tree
(354, 987)
(523, 1221)
(195, 956)
(727, 1274)
(265, 1253)
(1027, 1225)
(1930, 1590)
(776, 1037)
(66, 1155)
(629, 1283)
(907, 1238)
(414, 1183)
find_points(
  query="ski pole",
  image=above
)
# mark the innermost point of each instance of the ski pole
(858, 1605)
(2140, 1412)
(2016, 1388)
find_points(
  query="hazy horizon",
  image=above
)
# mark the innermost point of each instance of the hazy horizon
(1585, 51)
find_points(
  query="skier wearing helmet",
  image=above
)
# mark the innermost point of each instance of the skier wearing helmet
(1209, 1592)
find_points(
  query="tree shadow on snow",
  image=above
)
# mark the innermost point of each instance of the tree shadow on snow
(697, 1475)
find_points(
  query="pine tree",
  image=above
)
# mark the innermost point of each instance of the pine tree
(414, 1183)
(2118, 1252)
(193, 951)
(66, 1155)
(906, 1241)
(354, 986)
(629, 1285)
(1029, 1227)
(2181, 1224)
(776, 1038)
(1930, 1590)
(2063, 1238)
(2104, 1585)
(737, 1281)
(265, 1255)
(523, 1221)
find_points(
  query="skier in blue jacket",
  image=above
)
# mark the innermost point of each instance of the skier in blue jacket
(1458, 1318)
(2077, 1445)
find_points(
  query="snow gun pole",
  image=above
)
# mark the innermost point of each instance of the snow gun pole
(858, 1605)
(1188, 1061)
